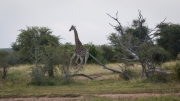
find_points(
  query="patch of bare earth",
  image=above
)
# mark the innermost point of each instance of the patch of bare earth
(115, 96)
(136, 95)
(43, 99)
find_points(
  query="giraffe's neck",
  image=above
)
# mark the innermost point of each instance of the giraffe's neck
(77, 41)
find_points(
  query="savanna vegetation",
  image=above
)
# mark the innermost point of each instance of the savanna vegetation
(38, 64)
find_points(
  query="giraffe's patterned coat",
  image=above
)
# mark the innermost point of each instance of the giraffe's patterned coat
(80, 51)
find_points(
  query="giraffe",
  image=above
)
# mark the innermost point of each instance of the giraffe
(80, 51)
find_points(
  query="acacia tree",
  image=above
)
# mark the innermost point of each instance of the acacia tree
(28, 40)
(136, 44)
(37, 45)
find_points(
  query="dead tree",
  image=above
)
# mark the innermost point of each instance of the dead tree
(143, 44)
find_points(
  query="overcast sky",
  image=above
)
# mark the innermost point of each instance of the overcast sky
(89, 17)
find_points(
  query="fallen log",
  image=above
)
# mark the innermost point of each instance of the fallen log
(104, 67)
(116, 71)
(89, 77)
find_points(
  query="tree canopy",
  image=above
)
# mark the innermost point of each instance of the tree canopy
(168, 36)
(32, 38)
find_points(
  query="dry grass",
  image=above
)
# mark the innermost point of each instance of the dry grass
(90, 69)
(95, 69)
(24, 71)
(17, 84)
(25, 68)
(169, 65)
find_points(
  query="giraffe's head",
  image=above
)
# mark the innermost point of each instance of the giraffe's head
(72, 28)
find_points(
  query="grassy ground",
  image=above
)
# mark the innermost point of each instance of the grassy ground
(18, 84)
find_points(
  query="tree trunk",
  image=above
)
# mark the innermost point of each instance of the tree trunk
(50, 69)
(4, 71)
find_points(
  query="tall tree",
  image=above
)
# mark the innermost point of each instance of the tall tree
(168, 36)
(138, 30)
(28, 40)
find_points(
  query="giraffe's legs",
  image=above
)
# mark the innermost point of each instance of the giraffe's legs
(86, 57)
(71, 60)
(77, 61)
(81, 58)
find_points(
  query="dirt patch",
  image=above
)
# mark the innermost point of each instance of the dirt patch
(44, 99)
(115, 96)
(136, 95)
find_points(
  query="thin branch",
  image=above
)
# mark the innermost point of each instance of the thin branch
(157, 26)
(112, 25)
(129, 60)
(116, 19)
(121, 67)
(121, 30)
(117, 15)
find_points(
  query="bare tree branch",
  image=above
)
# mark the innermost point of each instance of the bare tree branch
(89, 77)
(121, 67)
(104, 67)
(112, 25)
(154, 29)
(122, 33)
(129, 60)
(116, 19)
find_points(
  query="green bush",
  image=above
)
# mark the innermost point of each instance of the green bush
(159, 77)
(158, 54)
(96, 51)
(38, 76)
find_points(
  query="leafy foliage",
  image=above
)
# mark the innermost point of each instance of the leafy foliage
(7, 59)
(139, 32)
(169, 37)
(96, 52)
(108, 53)
(28, 40)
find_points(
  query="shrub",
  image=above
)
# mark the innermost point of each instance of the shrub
(127, 71)
(159, 77)
(178, 56)
(176, 70)
(38, 76)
